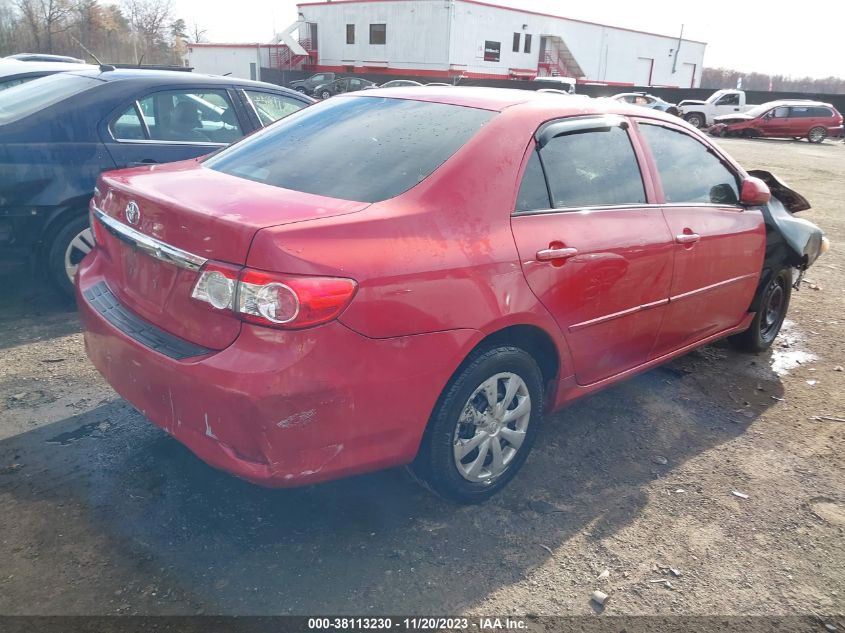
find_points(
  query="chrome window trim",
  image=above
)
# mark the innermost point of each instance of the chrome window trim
(631, 206)
(149, 245)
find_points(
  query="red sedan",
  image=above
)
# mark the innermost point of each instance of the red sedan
(415, 276)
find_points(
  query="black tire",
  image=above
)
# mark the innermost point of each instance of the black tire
(57, 248)
(695, 119)
(817, 134)
(325, 94)
(301, 89)
(436, 464)
(773, 304)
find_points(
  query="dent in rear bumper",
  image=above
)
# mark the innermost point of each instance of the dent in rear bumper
(284, 408)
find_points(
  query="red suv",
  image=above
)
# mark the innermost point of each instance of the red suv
(812, 120)
(403, 277)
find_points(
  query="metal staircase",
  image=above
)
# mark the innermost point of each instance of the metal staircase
(557, 60)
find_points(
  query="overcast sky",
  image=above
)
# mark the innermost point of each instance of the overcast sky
(795, 42)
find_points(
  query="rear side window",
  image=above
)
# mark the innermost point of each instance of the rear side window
(689, 171)
(272, 107)
(366, 149)
(32, 96)
(593, 168)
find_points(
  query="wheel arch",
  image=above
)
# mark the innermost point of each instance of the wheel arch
(63, 212)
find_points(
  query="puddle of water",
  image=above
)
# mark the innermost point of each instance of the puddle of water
(786, 358)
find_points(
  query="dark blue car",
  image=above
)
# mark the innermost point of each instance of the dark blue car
(59, 132)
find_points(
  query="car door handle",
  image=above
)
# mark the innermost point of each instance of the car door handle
(549, 254)
(687, 238)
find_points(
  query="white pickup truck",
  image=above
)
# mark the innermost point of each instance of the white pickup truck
(701, 113)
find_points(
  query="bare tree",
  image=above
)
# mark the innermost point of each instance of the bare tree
(197, 34)
(45, 19)
(150, 20)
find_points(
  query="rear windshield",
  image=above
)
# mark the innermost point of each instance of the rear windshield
(354, 148)
(32, 96)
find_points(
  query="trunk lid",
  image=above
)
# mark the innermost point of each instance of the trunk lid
(203, 212)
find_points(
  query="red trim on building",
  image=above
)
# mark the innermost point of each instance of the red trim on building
(405, 72)
(515, 10)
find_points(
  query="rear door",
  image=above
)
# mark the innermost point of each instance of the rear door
(594, 251)
(719, 244)
(162, 126)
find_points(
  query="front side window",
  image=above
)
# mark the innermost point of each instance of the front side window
(781, 113)
(688, 170)
(186, 116)
(365, 149)
(731, 99)
(272, 107)
(593, 168)
(32, 96)
(378, 34)
(350, 33)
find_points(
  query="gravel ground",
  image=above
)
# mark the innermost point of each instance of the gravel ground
(102, 513)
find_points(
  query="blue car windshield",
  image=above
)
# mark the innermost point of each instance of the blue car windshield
(365, 149)
(33, 96)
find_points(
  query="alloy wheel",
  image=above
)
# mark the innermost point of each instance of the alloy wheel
(492, 427)
(78, 248)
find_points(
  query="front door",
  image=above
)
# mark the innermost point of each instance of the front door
(718, 243)
(777, 122)
(597, 255)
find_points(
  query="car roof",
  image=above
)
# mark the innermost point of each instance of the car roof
(165, 77)
(795, 102)
(12, 67)
(498, 99)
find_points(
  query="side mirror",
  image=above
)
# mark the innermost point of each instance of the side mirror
(754, 192)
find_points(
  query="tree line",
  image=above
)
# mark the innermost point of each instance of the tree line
(726, 78)
(131, 32)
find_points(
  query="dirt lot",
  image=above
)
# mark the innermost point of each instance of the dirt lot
(102, 513)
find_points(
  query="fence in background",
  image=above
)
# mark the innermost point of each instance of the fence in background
(673, 95)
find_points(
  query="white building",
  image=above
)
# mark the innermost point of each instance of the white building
(474, 39)
(238, 60)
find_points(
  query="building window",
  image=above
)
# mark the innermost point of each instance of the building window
(350, 33)
(492, 51)
(378, 34)
(527, 42)
(516, 42)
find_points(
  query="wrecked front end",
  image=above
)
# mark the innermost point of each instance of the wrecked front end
(790, 241)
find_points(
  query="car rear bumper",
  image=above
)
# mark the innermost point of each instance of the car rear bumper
(279, 408)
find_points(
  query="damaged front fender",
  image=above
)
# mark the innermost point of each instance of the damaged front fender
(789, 240)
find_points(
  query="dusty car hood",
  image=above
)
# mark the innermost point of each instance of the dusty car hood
(732, 118)
(691, 102)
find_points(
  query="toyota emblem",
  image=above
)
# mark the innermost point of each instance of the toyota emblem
(133, 213)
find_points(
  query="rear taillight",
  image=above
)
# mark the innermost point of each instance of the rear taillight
(271, 299)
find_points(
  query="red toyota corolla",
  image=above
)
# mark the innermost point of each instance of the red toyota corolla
(415, 276)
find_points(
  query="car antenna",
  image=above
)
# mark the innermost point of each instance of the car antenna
(103, 67)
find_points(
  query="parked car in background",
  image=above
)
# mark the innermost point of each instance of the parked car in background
(561, 83)
(813, 120)
(14, 72)
(647, 101)
(59, 132)
(341, 85)
(306, 86)
(472, 259)
(700, 114)
(45, 57)
(400, 83)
